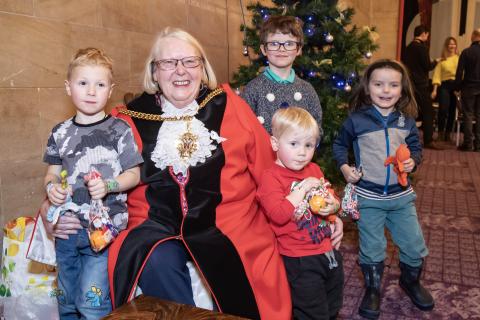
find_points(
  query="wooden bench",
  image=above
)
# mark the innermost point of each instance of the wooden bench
(150, 308)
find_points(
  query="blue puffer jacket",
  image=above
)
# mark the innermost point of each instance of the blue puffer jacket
(374, 138)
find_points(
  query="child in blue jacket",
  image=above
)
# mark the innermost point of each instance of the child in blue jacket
(383, 117)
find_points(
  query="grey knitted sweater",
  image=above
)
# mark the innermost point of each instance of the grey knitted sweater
(266, 96)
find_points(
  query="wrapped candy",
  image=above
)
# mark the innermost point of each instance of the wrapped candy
(313, 202)
(350, 202)
(316, 203)
(101, 230)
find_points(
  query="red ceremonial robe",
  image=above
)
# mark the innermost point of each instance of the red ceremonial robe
(224, 229)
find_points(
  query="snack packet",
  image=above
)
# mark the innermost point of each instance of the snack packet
(101, 230)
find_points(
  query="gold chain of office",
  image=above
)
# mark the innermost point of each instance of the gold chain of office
(158, 117)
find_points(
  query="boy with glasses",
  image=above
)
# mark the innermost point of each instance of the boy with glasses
(281, 39)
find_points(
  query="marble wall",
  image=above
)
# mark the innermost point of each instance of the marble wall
(39, 37)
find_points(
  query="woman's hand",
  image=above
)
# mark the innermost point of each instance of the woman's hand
(351, 174)
(66, 224)
(337, 234)
(408, 165)
(434, 94)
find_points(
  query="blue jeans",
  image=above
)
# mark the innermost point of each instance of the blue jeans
(83, 288)
(400, 218)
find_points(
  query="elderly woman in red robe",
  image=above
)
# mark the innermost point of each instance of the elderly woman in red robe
(204, 151)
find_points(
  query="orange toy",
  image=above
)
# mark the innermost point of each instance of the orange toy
(316, 203)
(401, 155)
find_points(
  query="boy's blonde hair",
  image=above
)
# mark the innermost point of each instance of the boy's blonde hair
(90, 57)
(150, 85)
(294, 118)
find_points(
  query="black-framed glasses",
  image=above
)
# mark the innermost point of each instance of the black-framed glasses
(170, 64)
(287, 45)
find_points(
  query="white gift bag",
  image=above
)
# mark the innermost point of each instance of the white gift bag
(27, 288)
(42, 245)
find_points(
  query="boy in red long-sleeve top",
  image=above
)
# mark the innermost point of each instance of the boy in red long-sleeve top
(314, 267)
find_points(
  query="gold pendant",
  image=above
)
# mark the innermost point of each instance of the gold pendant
(188, 144)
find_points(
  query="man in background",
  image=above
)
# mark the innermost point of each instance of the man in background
(417, 60)
(467, 80)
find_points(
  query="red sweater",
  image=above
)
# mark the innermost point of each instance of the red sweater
(295, 239)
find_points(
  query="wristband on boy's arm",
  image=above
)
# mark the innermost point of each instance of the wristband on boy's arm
(48, 186)
(111, 185)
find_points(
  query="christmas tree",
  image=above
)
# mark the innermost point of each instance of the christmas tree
(334, 54)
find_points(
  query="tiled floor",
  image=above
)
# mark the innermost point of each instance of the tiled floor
(448, 204)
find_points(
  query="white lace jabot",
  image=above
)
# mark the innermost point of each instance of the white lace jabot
(183, 143)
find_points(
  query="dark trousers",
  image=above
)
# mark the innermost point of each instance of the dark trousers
(447, 103)
(424, 102)
(166, 274)
(317, 290)
(471, 112)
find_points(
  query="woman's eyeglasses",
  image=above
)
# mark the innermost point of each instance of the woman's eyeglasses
(287, 45)
(170, 64)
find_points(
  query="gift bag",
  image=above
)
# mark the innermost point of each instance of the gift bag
(42, 245)
(27, 288)
(101, 230)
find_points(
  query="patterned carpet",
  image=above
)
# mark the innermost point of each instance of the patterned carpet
(448, 205)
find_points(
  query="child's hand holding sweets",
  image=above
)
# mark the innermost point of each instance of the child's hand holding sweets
(57, 192)
(330, 208)
(99, 188)
(350, 173)
(300, 191)
(307, 239)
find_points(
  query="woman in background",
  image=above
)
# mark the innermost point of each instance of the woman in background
(443, 87)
